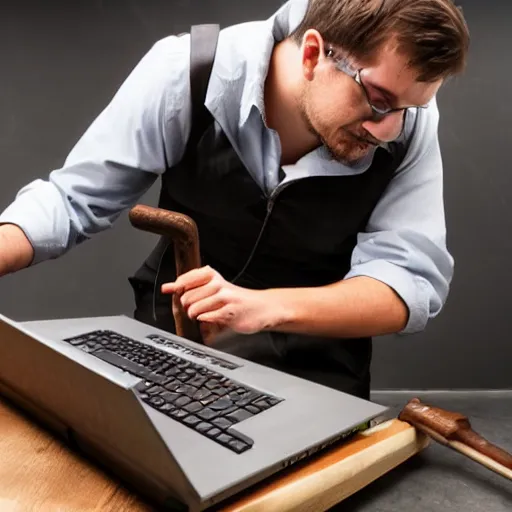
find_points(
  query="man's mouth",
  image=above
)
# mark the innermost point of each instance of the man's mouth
(364, 140)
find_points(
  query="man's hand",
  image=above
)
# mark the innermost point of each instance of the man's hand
(207, 297)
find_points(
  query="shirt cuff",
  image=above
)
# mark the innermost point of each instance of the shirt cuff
(412, 290)
(44, 233)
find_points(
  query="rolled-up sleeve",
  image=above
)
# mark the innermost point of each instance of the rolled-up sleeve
(142, 130)
(404, 244)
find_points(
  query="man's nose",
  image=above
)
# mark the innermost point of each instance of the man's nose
(387, 128)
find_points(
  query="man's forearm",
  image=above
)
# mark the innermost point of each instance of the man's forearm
(16, 252)
(356, 307)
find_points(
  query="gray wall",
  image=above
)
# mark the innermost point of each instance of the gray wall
(60, 63)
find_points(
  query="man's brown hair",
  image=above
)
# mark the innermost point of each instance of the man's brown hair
(432, 33)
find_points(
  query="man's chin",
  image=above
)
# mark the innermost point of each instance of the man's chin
(350, 157)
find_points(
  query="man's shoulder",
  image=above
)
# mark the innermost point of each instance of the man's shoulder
(239, 57)
(236, 46)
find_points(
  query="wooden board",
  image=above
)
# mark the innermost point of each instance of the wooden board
(325, 480)
(41, 474)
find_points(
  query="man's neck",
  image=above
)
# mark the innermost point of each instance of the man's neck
(282, 100)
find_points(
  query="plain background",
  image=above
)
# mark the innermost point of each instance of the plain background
(61, 62)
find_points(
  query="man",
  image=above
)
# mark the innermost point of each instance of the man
(314, 175)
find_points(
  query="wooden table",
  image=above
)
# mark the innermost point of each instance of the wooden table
(40, 473)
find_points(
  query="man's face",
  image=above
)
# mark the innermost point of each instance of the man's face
(336, 107)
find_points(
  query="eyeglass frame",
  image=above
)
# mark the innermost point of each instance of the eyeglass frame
(343, 65)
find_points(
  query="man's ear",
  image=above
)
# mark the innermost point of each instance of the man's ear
(312, 52)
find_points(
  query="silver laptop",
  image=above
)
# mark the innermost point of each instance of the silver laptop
(187, 425)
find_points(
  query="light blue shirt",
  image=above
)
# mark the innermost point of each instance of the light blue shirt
(145, 127)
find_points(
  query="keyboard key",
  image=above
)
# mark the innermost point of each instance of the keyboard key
(239, 415)
(221, 404)
(219, 391)
(181, 401)
(171, 372)
(207, 414)
(208, 400)
(193, 407)
(214, 432)
(238, 446)
(212, 384)
(166, 408)
(179, 414)
(224, 439)
(191, 420)
(222, 422)
(197, 381)
(262, 404)
(203, 427)
(156, 401)
(173, 385)
(170, 397)
(202, 393)
(241, 437)
(153, 390)
(247, 398)
(187, 390)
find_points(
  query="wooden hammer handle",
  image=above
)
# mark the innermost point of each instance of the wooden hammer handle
(182, 231)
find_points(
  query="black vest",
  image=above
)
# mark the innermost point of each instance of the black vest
(302, 235)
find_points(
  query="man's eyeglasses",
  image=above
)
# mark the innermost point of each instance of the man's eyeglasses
(380, 108)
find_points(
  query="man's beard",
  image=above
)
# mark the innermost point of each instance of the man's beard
(344, 145)
(348, 150)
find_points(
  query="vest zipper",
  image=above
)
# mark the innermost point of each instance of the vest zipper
(270, 206)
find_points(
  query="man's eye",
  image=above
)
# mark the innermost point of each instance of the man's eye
(379, 102)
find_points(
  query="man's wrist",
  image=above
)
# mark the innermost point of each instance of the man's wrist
(16, 251)
(282, 307)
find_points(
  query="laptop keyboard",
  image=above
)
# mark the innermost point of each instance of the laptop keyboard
(193, 394)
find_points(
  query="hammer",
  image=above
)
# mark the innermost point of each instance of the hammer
(451, 429)
(182, 231)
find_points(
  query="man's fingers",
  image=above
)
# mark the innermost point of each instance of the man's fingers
(189, 280)
(222, 316)
(204, 306)
(200, 293)
(171, 288)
